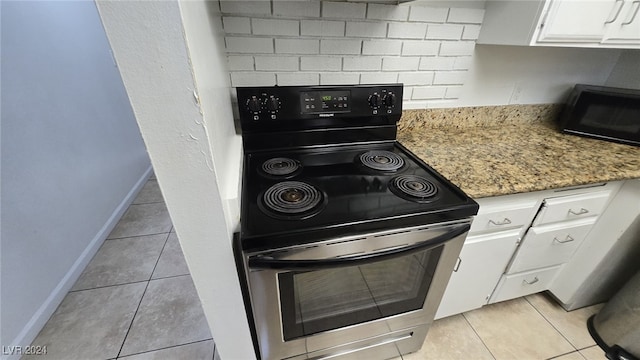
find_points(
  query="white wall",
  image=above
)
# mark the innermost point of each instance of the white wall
(185, 118)
(72, 155)
(626, 73)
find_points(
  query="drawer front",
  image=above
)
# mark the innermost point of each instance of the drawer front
(522, 284)
(502, 217)
(550, 245)
(572, 207)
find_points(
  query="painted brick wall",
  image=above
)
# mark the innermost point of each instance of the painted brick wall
(329, 43)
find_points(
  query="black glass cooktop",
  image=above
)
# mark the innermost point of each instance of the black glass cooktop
(297, 196)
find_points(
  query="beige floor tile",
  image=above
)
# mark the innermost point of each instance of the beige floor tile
(451, 338)
(171, 261)
(150, 193)
(570, 356)
(122, 261)
(143, 219)
(515, 330)
(593, 353)
(571, 324)
(202, 350)
(170, 314)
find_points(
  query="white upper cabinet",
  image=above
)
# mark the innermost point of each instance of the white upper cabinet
(576, 23)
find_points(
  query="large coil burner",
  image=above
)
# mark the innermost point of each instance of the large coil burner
(413, 188)
(292, 200)
(382, 160)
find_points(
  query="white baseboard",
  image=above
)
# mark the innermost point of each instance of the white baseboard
(40, 318)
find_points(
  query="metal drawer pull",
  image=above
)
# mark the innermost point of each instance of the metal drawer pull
(581, 212)
(566, 240)
(506, 221)
(617, 12)
(455, 268)
(635, 12)
(535, 280)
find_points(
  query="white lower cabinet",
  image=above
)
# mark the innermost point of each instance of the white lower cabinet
(482, 260)
(522, 284)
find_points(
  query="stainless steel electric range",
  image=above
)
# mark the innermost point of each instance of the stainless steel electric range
(347, 239)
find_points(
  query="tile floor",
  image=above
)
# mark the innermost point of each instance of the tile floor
(136, 301)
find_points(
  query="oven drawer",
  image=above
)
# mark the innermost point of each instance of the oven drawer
(549, 245)
(503, 216)
(521, 284)
(572, 207)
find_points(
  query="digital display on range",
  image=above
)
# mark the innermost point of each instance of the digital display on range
(312, 102)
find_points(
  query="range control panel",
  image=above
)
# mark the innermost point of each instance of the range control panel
(276, 106)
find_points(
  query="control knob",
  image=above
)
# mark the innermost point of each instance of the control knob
(374, 100)
(253, 104)
(389, 100)
(273, 103)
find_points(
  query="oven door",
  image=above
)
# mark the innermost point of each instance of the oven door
(311, 298)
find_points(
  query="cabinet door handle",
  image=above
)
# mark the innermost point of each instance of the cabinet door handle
(535, 280)
(458, 263)
(506, 221)
(635, 12)
(615, 17)
(582, 211)
(566, 240)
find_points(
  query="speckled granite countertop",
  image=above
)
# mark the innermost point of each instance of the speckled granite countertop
(502, 150)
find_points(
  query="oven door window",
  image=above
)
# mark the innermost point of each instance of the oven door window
(321, 300)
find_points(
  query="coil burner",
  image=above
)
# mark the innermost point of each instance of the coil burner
(413, 188)
(292, 200)
(281, 168)
(382, 160)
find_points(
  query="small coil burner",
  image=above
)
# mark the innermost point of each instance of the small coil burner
(292, 200)
(281, 168)
(413, 188)
(381, 160)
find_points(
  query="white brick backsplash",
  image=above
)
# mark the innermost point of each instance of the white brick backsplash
(406, 92)
(236, 25)
(417, 47)
(297, 46)
(240, 62)
(387, 12)
(381, 47)
(343, 10)
(449, 77)
(416, 78)
(253, 79)
(444, 31)
(428, 92)
(407, 30)
(400, 63)
(249, 45)
(469, 16)
(321, 63)
(437, 63)
(339, 78)
(453, 92)
(461, 62)
(362, 63)
(342, 46)
(283, 63)
(471, 32)
(298, 78)
(260, 7)
(428, 14)
(321, 28)
(457, 48)
(296, 8)
(367, 29)
(275, 27)
(378, 78)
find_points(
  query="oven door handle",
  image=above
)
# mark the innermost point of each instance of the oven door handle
(260, 262)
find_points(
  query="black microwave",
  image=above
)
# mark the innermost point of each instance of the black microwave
(601, 112)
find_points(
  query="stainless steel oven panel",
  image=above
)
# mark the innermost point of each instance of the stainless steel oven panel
(265, 298)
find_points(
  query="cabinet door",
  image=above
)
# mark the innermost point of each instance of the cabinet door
(482, 261)
(578, 21)
(626, 28)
